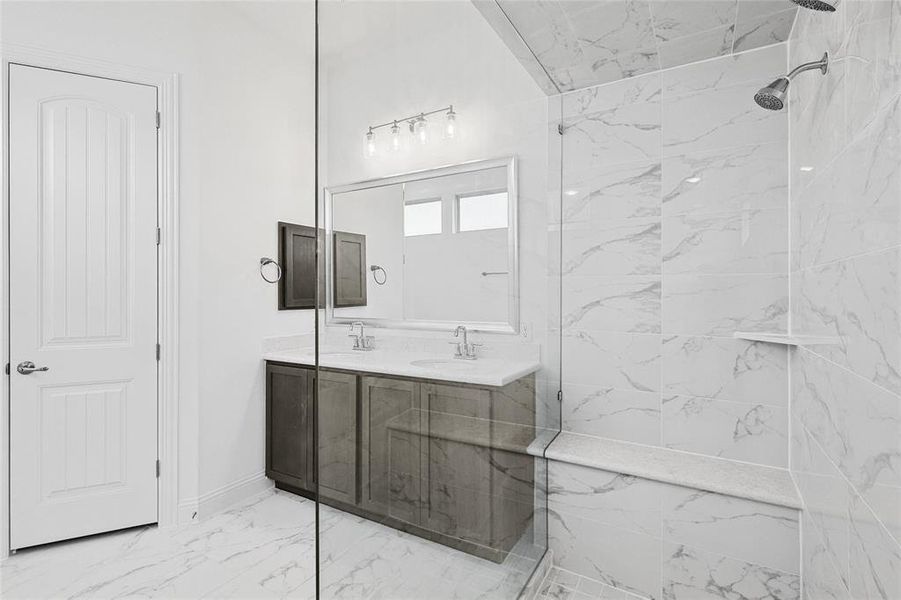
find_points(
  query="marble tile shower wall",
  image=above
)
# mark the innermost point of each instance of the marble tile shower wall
(846, 250)
(674, 236)
(662, 541)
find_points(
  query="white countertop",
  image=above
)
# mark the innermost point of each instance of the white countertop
(489, 371)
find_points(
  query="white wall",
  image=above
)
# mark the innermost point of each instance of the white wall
(246, 161)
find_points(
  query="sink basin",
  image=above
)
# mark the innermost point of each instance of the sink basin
(438, 363)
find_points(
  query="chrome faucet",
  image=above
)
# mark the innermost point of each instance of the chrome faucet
(362, 342)
(464, 350)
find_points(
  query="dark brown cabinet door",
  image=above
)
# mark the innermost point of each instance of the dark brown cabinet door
(350, 269)
(289, 426)
(390, 458)
(457, 476)
(297, 257)
(338, 436)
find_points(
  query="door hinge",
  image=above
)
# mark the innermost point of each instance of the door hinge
(559, 395)
(159, 236)
(6, 368)
(159, 119)
(157, 351)
(560, 128)
(157, 469)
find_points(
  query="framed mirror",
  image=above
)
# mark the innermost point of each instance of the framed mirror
(426, 250)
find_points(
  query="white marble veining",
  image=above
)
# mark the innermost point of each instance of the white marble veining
(735, 179)
(719, 118)
(692, 574)
(264, 548)
(612, 303)
(582, 44)
(745, 480)
(613, 192)
(758, 533)
(857, 425)
(612, 247)
(762, 31)
(626, 415)
(736, 430)
(659, 540)
(566, 585)
(857, 302)
(725, 369)
(673, 236)
(496, 372)
(747, 241)
(623, 361)
(719, 305)
(846, 396)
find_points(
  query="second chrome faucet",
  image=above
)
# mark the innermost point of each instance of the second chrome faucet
(465, 350)
(362, 342)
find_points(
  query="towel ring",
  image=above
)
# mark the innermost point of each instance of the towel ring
(268, 261)
(375, 269)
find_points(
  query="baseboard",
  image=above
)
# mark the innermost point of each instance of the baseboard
(201, 507)
(187, 511)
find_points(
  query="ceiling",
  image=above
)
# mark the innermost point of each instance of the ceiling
(572, 44)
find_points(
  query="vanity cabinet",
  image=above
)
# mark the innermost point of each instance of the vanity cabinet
(290, 435)
(431, 458)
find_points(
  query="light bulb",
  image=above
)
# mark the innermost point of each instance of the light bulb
(422, 130)
(370, 143)
(450, 126)
(395, 137)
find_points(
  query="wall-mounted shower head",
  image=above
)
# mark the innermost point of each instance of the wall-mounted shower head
(773, 96)
(821, 5)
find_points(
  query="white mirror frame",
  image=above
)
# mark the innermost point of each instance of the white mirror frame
(512, 325)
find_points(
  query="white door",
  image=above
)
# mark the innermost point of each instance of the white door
(83, 302)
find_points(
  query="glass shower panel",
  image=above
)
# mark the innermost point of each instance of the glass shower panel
(438, 337)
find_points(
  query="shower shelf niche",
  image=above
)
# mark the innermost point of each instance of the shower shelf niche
(788, 339)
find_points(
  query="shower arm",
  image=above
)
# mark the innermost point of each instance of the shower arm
(821, 64)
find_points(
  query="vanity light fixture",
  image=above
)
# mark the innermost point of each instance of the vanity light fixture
(450, 125)
(370, 143)
(418, 125)
(420, 128)
(395, 137)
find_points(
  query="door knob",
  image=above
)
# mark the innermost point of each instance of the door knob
(27, 368)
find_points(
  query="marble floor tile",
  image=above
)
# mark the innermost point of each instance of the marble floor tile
(263, 548)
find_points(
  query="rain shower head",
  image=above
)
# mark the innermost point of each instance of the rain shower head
(773, 96)
(821, 5)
